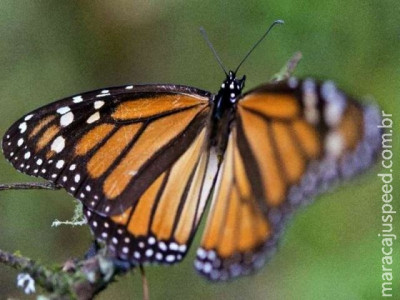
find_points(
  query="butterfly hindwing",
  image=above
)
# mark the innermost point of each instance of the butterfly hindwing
(96, 144)
(161, 226)
(236, 228)
(289, 142)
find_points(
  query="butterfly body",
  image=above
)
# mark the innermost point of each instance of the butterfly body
(224, 110)
(144, 160)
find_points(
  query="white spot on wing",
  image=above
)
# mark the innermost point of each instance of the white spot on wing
(207, 267)
(60, 164)
(98, 104)
(22, 127)
(77, 99)
(201, 253)
(67, 119)
(58, 144)
(20, 142)
(173, 246)
(93, 118)
(162, 246)
(149, 252)
(77, 178)
(310, 101)
(170, 258)
(28, 117)
(104, 93)
(63, 110)
(129, 87)
(334, 144)
(335, 103)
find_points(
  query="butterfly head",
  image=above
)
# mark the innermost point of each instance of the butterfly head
(232, 86)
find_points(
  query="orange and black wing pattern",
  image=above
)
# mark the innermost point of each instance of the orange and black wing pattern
(161, 226)
(136, 156)
(289, 142)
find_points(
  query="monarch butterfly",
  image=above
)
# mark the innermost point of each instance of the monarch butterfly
(145, 159)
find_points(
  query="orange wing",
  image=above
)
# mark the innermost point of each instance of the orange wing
(161, 225)
(236, 228)
(97, 144)
(290, 141)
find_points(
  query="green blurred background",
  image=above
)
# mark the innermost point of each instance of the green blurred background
(52, 49)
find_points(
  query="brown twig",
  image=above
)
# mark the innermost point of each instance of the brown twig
(289, 68)
(28, 186)
(145, 284)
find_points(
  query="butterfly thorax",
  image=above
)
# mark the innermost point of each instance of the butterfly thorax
(224, 108)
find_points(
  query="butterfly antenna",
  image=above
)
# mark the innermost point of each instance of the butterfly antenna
(259, 41)
(204, 34)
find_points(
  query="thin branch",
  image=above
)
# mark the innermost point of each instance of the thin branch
(145, 284)
(15, 261)
(76, 279)
(289, 68)
(28, 186)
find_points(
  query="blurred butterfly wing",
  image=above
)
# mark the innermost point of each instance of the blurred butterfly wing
(291, 140)
(236, 228)
(107, 147)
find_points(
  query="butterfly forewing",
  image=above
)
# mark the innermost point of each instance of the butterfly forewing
(289, 142)
(97, 144)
